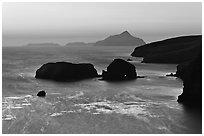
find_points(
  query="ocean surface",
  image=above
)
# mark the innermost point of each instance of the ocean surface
(144, 105)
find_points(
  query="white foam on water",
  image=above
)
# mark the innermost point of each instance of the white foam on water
(16, 107)
(162, 127)
(15, 102)
(96, 113)
(70, 111)
(54, 93)
(56, 114)
(18, 97)
(104, 111)
(42, 129)
(75, 96)
(14, 97)
(26, 104)
(64, 111)
(107, 107)
(28, 96)
(8, 117)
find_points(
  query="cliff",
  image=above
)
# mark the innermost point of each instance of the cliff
(191, 74)
(174, 50)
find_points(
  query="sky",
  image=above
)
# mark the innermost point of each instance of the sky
(63, 22)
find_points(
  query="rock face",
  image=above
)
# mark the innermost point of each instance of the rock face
(65, 71)
(174, 50)
(171, 75)
(41, 94)
(119, 70)
(123, 39)
(182, 69)
(191, 74)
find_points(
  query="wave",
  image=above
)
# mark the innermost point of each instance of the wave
(20, 77)
(57, 105)
(46, 113)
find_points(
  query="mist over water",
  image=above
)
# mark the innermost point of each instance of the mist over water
(144, 105)
(92, 21)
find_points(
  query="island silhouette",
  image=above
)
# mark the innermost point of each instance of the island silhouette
(123, 39)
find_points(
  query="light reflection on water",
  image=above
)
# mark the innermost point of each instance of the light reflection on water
(144, 105)
(41, 115)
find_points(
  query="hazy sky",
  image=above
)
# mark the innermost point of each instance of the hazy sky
(89, 22)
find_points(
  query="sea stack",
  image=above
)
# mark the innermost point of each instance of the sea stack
(65, 71)
(119, 70)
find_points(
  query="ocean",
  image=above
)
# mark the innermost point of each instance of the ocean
(140, 106)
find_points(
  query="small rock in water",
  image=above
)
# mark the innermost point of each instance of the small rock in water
(41, 93)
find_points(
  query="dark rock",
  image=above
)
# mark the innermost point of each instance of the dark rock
(181, 69)
(172, 74)
(41, 94)
(191, 74)
(65, 71)
(119, 70)
(174, 50)
(141, 76)
(123, 39)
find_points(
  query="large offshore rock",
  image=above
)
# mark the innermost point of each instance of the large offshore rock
(65, 71)
(119, 70)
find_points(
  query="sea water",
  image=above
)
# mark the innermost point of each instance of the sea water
(143, 105)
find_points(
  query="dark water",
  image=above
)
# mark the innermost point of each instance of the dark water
(144, 105)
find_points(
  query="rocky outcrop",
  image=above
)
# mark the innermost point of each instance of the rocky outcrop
(191, 74)
(123, 39)
(119, 70)
(174, 50)
(65, 71)
(41, 94)
(182, 69)
(171, 75)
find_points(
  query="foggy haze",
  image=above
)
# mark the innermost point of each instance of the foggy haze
(23, 23)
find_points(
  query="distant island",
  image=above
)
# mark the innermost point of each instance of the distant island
(174, 50)
(123, 39)
(43, 44)
(78, 43)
